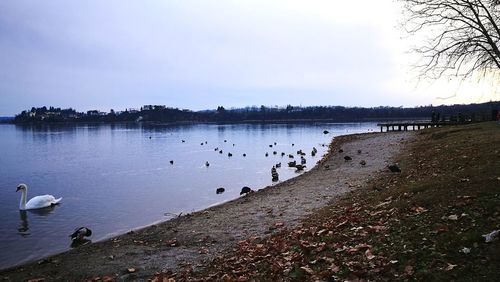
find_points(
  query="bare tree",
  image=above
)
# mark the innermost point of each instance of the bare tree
(462, 36)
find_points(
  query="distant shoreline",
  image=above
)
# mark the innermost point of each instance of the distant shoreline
(214, 122)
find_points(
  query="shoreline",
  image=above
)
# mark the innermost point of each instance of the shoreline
(202, 235)
(191, 122)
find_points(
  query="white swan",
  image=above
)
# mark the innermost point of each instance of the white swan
(37, 202)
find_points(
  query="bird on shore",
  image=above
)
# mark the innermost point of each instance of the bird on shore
(362, 162)
(245, 190)
(341, 151)
(80, 234)
(37, 202)
(347, 158)
(394, 168)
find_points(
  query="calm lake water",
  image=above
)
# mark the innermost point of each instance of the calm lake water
(114, 178)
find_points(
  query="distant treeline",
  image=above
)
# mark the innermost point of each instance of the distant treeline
(158, 113)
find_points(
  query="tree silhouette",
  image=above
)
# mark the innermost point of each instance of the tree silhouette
(463, 36)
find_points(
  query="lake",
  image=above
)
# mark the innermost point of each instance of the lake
(118, 177)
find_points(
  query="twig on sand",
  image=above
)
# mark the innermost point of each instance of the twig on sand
(172, 214)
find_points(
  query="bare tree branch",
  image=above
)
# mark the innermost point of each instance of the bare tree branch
(463, 36)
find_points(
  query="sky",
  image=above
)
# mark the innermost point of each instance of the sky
(120, 54)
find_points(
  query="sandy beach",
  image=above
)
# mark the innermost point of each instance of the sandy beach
(193, 238)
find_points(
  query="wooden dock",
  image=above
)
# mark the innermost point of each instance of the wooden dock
(405, 126)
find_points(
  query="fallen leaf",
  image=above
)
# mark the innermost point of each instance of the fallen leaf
(341, 224)
(465, 250)
(450, 267)
(108, 278)
(369, 255)
(307, 269)
(419, 210)
(409, 270)
(130, 270)
(335, 268)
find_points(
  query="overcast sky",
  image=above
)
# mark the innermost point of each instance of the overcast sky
(201, 54)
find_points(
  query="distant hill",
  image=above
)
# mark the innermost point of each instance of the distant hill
(3, 119)
(161, 113)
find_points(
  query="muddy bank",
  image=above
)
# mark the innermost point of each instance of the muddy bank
(203, 235)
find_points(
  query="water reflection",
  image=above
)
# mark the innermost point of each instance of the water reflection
(23, 228)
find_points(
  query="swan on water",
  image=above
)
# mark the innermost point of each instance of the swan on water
(37, 202)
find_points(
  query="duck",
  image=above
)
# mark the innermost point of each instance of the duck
(37, 202)
(246, 190)
(300, 167)
(80, 234)
(207, 163)
(220, 190)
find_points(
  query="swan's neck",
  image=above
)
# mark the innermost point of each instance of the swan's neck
(22, 204)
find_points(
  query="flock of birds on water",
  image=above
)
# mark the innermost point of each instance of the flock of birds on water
(274, 174)
(80, 234)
